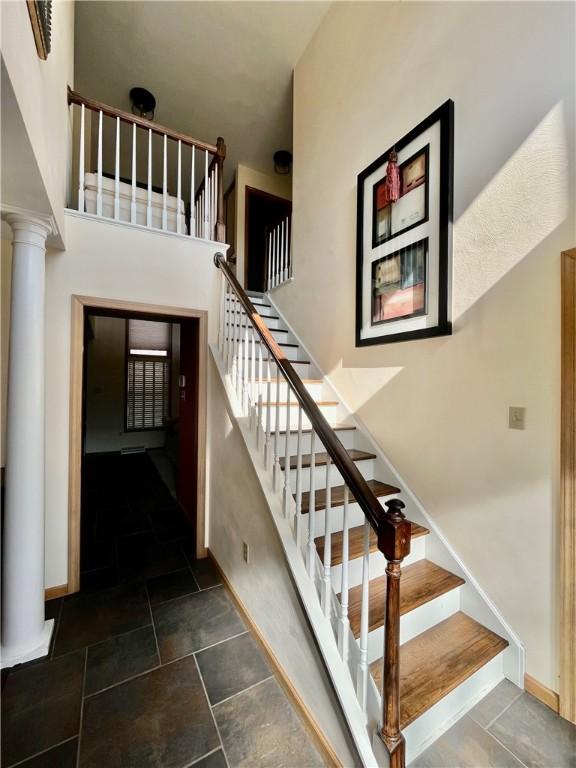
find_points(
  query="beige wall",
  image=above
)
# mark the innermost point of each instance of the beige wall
(106, 260)
(281, 186)
(238, 513)
(40, 91)
(439, 407)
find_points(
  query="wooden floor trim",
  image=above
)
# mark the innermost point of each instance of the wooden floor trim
(312, 726)
(51, 593)
(542, 693)
(567, 523)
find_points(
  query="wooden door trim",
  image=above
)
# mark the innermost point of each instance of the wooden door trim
(79, 304)
(568, 491)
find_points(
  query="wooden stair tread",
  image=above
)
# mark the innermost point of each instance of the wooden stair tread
(356, 542)
(282, 403)
(337, 495)
(321, 458)
(307, 430)
(438, 660)
(420, 582)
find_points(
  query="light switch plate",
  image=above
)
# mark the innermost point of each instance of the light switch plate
(245, 552)
(516, 417)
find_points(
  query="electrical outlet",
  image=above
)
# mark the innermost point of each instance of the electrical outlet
(245, 552)
(516, 417)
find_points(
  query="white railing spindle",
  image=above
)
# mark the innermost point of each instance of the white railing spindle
(326, 584)
(298, 513)
(81, 163)
(117, 173)
(133, 200)
(165, 187)
(205, 198)
(344, 623)
(179, 188)
(287, 454)
(276, 469)
(193, 205)
(99, 188)
(259, 404)
(149, 198)
(267, 442)
(362, 677)
(311, 551)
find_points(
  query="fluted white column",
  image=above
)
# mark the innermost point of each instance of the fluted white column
(25, 633)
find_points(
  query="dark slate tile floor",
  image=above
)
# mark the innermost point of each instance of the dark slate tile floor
(151, 665)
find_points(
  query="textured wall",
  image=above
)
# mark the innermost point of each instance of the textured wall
(438, 407)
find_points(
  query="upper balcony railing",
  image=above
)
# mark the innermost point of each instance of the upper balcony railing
(132, 170)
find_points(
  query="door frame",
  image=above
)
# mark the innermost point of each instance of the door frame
(568, 491)
(248, 193)
(79, 305)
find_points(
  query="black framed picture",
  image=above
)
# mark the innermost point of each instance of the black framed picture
(404, 236)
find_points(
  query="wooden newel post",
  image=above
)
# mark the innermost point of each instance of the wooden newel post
(220, 226)
(394, 543)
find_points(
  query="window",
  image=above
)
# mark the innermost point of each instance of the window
(148, 374)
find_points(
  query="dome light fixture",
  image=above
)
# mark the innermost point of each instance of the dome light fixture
(282, 162)
(143, 103)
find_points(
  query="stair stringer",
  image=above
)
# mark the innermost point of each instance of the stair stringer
(474, 600)
(359, 725)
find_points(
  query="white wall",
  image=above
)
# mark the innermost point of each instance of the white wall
(438, 407)
(39, 88)
(238, 513)
(107, 260)
(281, 186)
(106, 391)
(5, 280)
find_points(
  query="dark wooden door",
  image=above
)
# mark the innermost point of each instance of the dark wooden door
(188, 420)
(263, 213)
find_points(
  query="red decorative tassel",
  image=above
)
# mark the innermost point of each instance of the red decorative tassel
(392, 178)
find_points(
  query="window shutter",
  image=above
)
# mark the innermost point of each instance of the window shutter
(148, 396)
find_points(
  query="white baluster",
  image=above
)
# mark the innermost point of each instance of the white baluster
(231, 333)
(326, 591)
(205, 198)
(290, 251)
(99, 187)
(234, 349)
(311, 559)
(245, 388)
(259, 406)
(276, 470)
(133, 201)
(286, 251)
(344, 623)
(193, 205)
(269, 261)
(222, 316)
(298, 514)
(240, 355)
(274, 256)
(282, 252)
(165, 186)
(149, 201)
(81, 169)
(287, 454)
(267, 443)
(117, 173)
(214, 198)
(252, 383)
(362, 678)
(179, 188)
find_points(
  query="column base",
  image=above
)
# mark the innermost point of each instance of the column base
(21, 655)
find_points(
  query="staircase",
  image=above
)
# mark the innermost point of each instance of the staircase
(453, 645)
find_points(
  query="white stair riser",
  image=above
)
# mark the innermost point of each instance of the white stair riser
(355, 514)
(264, 310)
(278, 335)
(366, 468)
(436, 720)
(346, 437)
(314, 388)
(377, 565)
(328, 411)
(417, 621)
(272, 323)
(291, 353)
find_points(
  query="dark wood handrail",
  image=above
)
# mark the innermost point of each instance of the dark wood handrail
(350, 473)
(127, 117)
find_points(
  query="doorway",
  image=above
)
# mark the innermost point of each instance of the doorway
(137, 440)
(263, 212)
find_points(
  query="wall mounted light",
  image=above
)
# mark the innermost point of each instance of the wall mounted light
(143, 103)
(282, 162)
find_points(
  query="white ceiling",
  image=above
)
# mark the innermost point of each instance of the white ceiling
(216, 68)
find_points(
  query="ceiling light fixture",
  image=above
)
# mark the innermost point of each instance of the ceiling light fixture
(143, 103)
(282, 162)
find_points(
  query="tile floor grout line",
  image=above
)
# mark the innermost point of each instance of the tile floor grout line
(199, 759)
(82, 699)
(104, 640)
(211, 711)
(506, 708)
(189, 594)
(249, 688)
(153, 625)
(42, 752)
(126, 680)
(220, 642)
(514, 755)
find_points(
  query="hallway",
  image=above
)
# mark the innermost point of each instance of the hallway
(151, 663)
